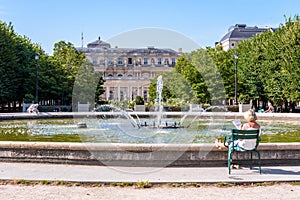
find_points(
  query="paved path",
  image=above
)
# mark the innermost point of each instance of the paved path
(103, 174)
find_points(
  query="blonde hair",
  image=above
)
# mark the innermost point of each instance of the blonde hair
(250, 115)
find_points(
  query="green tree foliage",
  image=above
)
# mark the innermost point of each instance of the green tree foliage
(268, 68)
(139, 100)
(269, 65)
(85, 85)
(67, 61)
(250, 73)
(99, 89)
(225, 63)
(56, 74)
(199, 70)
(16, 66)
(175, 89)
(193, 76)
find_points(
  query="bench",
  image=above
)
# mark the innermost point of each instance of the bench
(233, 143)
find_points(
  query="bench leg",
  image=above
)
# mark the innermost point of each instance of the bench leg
(251, 160)
(258, 155)
(229, 162)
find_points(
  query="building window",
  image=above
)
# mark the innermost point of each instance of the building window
(120, 61)
(173, 61)
(94, 61)
(232, 44)
(101, 61)
(152, 61)
(166, 61)
(129, 61)
(145, 96)
(121, 96)
(111, 95)
(110, 75)
(159, 61)
(110, 61)
(145, 61)
(120, 75)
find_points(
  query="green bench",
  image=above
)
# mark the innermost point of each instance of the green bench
(230, 141)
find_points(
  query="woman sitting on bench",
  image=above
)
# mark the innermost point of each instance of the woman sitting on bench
(251, 124)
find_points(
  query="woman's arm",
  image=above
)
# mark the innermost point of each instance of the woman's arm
(244, 126)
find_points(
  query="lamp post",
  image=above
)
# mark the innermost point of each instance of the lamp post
(36, 79)
(236, 79)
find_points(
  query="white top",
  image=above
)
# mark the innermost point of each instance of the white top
(247, 144)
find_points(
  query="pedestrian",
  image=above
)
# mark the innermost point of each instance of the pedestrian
(270, 108)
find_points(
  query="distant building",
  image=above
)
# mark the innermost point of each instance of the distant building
(238, 33)
(127, 71)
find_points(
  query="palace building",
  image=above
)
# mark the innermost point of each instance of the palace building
(238, 33)
(127, 71)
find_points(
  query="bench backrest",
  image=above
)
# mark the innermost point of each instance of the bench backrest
(246, 135)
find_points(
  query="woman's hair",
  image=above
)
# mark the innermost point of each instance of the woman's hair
(250, 115)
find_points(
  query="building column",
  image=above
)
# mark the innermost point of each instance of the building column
(127, 97)
(107, 92)
(119, 91)
(138, 91)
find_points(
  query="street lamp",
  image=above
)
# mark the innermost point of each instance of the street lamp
(236, 79)
(36, 79)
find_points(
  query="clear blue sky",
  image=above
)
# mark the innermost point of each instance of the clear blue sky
(204, 21)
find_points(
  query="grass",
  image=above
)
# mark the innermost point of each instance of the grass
(142, 184)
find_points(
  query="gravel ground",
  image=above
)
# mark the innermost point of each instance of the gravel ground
(163, 192)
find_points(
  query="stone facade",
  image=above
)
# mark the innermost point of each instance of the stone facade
(127, 71)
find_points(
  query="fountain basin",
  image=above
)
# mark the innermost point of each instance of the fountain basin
(156, 155)
(124, 154)
(107, 128)
(11, 116)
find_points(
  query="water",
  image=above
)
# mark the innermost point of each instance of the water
(159, 101)
(119, 130)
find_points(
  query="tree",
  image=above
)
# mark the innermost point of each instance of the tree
(139, 100)
(269, 65)
(193, 78)
(175, 88)
(16, 66)
(85, 85)
(225, 63)
(99, 89)
(67, 61)
(211, 76)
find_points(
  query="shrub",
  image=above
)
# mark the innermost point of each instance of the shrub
(139, 100)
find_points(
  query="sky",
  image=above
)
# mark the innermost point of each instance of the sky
(203, 22)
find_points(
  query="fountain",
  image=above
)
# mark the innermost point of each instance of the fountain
(159, 122)
(117, 140)
(159, 100)
(121, 112)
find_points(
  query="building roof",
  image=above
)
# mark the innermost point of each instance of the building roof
(98, 44)
(152, 50)
(241, 31)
